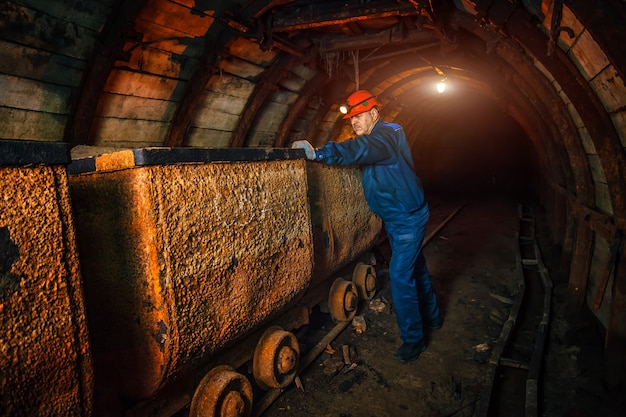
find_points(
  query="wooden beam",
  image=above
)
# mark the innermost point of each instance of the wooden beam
(195, 89)
(560, 220)
(320, 15)
(392, 36)
(594, 16)
(579, 270)
(597, 121)
(615, 344)
(337, 93)
(109, 49)
(568, 241)
(311, 89)
(600, 223)
(268, 83)
(585, 222)
(254, 9)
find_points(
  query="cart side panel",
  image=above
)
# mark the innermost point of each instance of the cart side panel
(182, 260)
(343, 225)
(45, 360)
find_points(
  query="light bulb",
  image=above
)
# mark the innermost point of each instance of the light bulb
(441, 86)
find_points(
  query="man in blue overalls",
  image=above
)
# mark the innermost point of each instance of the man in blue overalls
(394, 192)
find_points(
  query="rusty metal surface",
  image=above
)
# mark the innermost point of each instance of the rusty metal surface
(343, 225)
(223, 392)
(276, 358)
(45, 363)
(181, 260)
(25, 152)
(106, 160)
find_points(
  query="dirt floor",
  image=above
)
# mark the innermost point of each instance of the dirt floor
(474, 270)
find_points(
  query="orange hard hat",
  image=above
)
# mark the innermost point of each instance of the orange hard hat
(359, 102)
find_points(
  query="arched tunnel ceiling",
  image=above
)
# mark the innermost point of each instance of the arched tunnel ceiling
(536, 98)
(118, 74)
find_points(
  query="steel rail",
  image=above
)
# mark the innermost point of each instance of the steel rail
(533, 366)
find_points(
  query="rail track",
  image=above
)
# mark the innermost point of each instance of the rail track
(306, 360)
(516, 359)
(159, 317)
(514, 364)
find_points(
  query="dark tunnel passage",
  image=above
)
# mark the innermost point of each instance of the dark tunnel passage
(473, 138)
(464, 146)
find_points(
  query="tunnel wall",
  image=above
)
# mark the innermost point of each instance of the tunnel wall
(598, 70)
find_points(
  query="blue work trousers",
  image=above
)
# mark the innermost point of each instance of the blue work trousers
(413, 296)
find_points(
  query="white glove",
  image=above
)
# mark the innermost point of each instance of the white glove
(309, 150)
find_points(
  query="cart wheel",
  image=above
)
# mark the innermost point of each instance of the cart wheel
(343, 300)
(364, 277)
(223, 392)
(276, 358)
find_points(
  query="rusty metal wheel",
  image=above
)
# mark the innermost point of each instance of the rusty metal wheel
(343, 300)
(223, 392)
(276, 358)
(364, 277)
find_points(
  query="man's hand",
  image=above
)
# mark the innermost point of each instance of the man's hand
(309, 150)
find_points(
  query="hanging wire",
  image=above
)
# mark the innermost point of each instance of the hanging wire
(355, 60)
(331, 62)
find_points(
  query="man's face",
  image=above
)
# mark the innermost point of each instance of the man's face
(363, 123)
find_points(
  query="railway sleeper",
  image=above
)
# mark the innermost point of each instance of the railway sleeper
(517, 355)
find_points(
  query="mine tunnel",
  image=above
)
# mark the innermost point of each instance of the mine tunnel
(152, 140)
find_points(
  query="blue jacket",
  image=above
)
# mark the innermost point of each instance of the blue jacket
(391, 187)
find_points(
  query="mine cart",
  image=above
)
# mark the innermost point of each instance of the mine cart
(45, 362)
(198, 261)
